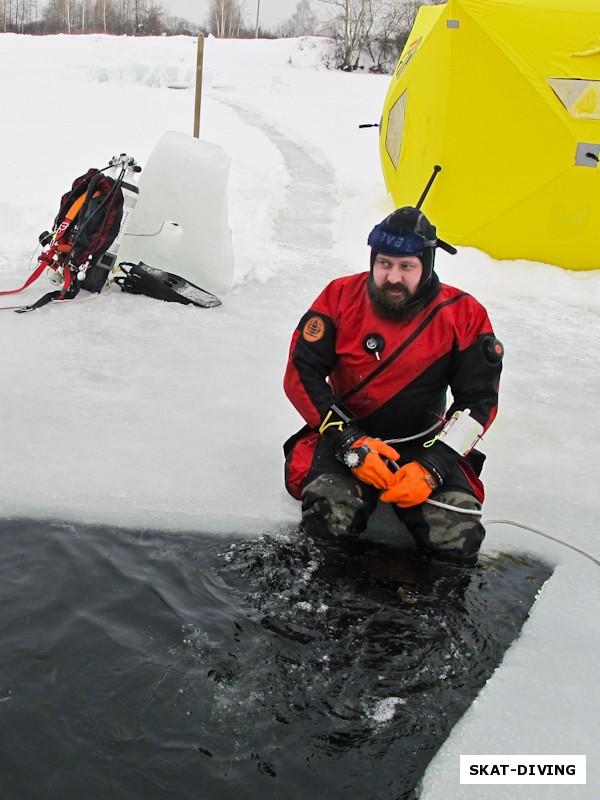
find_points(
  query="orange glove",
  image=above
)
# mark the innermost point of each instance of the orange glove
(364, 459)
(411, 486)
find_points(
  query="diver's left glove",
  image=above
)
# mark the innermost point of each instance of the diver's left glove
(410, 486)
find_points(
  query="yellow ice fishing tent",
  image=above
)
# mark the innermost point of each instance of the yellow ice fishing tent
(505, 96)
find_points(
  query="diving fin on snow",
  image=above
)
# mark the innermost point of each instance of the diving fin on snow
(153, 282)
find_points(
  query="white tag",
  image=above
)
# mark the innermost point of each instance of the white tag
(461, 432)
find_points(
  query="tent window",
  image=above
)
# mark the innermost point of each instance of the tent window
(395, 129)
(580, 97)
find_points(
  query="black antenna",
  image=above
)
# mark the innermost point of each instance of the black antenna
(436, 169)
(440, 242)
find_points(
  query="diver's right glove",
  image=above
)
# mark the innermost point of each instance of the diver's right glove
(361, 453)
(365, 459)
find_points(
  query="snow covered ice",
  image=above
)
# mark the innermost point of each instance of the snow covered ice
(125, 410)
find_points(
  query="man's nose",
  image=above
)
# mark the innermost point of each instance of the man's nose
(395, 275)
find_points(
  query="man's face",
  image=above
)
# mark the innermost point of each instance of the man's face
(396, 278)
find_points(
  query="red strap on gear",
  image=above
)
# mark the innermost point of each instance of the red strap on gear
(46, 260)
(33, 277)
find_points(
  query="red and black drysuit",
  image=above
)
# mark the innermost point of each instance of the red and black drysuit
(449, 344)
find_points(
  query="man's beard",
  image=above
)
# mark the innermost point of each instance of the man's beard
(391, 301)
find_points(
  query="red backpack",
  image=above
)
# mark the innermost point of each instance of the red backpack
(86, 225)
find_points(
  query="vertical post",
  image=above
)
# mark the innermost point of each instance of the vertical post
(257, 17)
(198, 99)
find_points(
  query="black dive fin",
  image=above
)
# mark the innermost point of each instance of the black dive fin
(153, 282)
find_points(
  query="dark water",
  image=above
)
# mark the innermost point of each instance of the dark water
(144, 665)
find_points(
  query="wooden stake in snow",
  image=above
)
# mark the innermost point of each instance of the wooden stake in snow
(197, 103)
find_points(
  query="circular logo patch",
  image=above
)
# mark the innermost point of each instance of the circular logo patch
(493, 350)
(314, 329)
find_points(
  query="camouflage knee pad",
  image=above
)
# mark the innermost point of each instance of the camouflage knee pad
(334, 505)
(445, 531)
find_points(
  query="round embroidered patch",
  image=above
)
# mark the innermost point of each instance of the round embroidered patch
(314, 329)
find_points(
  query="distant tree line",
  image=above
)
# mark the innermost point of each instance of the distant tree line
(141, 17)
(133, 17)
(365, 33)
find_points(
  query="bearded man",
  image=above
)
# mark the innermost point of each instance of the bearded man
(370, 367)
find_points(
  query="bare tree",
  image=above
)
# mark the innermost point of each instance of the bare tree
(58, 16)
(377, 29)
(154, 19)
(180, 25)
(348, 20)
(392, 21)
(67, 9)
(303, 22)
(224, 18)
(104, 17)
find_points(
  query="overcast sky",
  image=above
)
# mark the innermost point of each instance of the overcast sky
(272, 12)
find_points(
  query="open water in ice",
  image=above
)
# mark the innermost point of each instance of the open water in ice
(139, 665)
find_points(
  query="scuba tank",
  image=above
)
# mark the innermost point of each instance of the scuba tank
(124, 171)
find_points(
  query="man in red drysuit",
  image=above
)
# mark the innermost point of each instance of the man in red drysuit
(369, 369)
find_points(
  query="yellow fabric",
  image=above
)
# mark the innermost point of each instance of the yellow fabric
(476, 75)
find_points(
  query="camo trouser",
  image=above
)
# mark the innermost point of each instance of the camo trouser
(338, 504)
